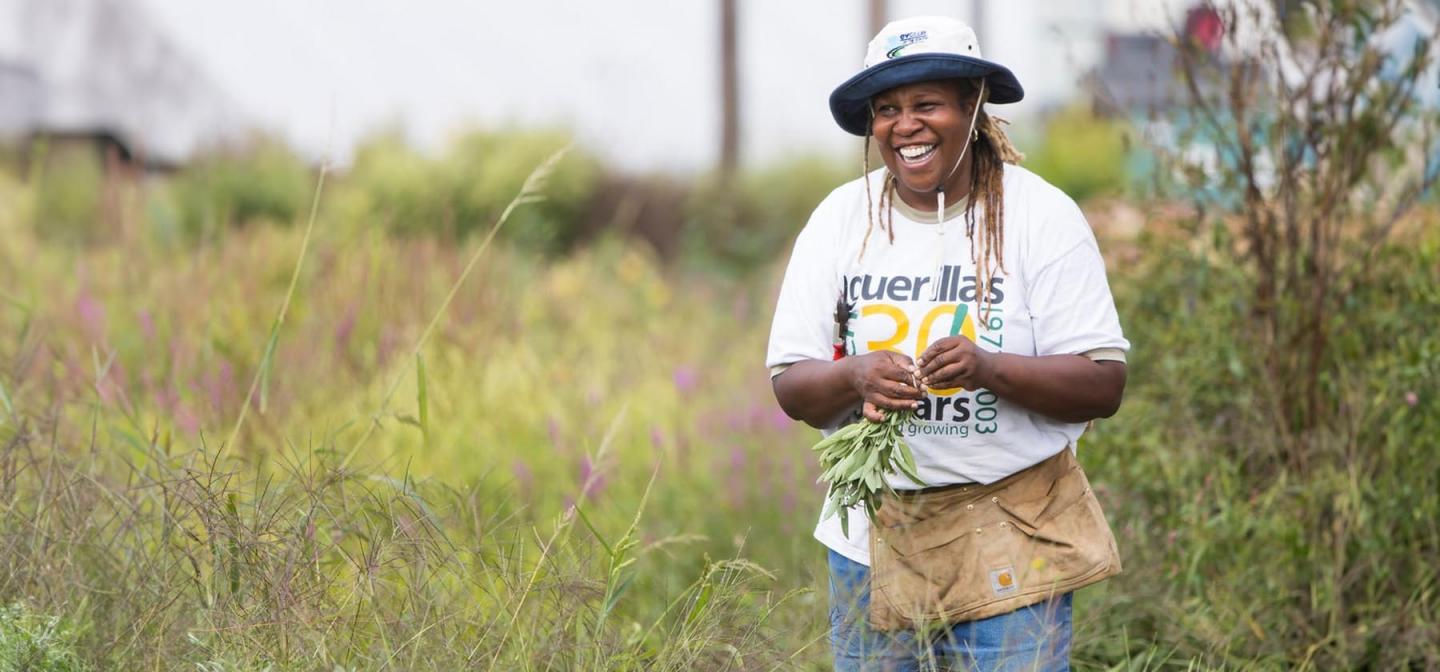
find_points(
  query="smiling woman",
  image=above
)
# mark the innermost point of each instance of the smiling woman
(1001, 524)
(924, 131)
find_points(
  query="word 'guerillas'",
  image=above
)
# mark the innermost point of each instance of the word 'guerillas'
(907, 288)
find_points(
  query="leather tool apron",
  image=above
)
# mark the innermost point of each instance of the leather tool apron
(966, 552)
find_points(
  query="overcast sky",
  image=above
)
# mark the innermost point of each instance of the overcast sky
(637, 80)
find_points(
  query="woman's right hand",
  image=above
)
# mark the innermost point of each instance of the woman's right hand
(885, 381)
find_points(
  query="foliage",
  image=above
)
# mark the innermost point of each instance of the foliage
(855, 460)
(67, 194)
(398, 188)
(1084, 155)
(260, 180)
(742, 226)
(309, 548)
(444, 539)
(1308, 146)
(1230, 558)
(30, 642)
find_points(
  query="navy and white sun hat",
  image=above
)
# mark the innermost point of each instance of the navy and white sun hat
(919, 49)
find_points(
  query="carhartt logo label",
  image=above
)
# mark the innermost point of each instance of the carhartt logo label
(1002, 581)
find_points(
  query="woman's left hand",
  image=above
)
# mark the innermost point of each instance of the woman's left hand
(954, 361)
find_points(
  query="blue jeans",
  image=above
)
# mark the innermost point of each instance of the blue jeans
(1032, 638)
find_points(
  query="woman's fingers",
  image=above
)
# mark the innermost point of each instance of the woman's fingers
(940, 350)
(939, 362)
(888, 402)
(950, 376)
(875, 412)
(901, 368)
(901, 385)
(894, 378)
(960, 350)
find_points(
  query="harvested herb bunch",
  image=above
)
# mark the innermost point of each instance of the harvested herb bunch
(855, 460)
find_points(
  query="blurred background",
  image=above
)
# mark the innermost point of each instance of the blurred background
(273, 398)
(641, 83)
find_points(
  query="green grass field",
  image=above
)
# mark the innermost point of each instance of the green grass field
(582, 466)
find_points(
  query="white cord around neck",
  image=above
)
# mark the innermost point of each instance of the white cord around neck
(969, 134)
(940, 192)
(939, 226)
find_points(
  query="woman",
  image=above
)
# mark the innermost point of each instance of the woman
(957, 285)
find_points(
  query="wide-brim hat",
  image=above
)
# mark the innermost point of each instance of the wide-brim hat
(919, 49)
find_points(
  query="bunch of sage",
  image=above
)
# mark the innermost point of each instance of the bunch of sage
(855, 460)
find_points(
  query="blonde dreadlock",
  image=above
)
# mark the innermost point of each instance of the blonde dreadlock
(992, 149)
(887, 197)
(987, 175)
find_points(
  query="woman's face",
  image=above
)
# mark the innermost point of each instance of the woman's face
(921, 131)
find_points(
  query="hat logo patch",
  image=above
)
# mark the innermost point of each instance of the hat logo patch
(906, 39)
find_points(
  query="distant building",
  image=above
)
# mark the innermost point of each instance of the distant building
(20, 95)
(98, 74)
(1138, 72)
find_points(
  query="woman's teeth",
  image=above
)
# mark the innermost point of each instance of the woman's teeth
(916, 153)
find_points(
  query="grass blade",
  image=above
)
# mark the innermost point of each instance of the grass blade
(530, 192)
(422, 399)
(263, 373)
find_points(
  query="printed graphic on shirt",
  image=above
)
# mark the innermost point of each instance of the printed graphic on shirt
(906, 313)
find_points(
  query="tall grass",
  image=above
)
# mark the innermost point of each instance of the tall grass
(590, 473)
(175, 557)
(538, 549)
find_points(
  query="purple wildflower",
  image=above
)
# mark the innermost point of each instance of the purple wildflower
(778, 420)
(147, 324)
(218, 384)
(592, 481)
(737, 459)
(686, 379)
(552, 429)
(186, 420)
(346, 327)
(91, 314)
(524, 477)
(787, 501)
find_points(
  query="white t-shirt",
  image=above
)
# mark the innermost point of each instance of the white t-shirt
(1051, 298)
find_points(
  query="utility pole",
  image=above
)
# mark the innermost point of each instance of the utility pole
(877, 18)
(977, 17)
(729, 92)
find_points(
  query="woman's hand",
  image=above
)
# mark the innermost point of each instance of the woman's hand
(953, 362)
(885, 381)
(1068, 388)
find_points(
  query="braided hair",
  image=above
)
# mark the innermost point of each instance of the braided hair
(990, 150)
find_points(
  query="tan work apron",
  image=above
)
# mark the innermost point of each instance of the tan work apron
(966, 552)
